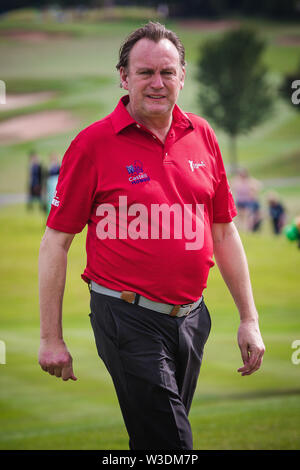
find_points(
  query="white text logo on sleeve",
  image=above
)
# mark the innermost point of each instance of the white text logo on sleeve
(55, 200)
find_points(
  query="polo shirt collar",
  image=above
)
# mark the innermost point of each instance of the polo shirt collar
(121, 118)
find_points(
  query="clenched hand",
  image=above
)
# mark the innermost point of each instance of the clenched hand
(55, 359)
(251, 346)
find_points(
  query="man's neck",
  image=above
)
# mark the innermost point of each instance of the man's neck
(159, 125)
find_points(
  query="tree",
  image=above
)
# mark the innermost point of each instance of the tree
(234, 91)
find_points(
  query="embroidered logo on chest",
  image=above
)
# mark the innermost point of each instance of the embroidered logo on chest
(136, 173)
(195, 165)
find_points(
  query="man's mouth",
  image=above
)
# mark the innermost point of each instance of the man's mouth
(155, 97)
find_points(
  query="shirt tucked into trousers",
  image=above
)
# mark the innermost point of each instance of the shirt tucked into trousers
(154, 361)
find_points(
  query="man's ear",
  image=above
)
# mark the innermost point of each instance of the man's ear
(124, 78)
(182, 77)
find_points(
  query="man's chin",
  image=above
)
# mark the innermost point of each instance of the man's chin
(158, 109)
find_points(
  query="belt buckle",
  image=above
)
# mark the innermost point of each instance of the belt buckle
(176, 309)
(190, 307)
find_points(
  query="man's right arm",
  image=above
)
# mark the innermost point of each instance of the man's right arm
(54, 356)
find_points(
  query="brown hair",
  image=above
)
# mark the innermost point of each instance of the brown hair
(155, 32)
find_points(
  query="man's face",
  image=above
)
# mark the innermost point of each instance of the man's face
(153, 78)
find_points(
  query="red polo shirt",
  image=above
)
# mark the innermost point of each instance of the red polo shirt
(116, 165)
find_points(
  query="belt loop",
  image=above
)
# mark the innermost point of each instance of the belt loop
(137, 298)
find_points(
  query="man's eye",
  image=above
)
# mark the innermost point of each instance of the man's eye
(168, 73)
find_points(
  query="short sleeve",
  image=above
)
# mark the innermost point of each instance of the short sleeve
(75, 191)
(223, 204)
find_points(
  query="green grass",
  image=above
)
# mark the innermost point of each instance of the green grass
(39, 411)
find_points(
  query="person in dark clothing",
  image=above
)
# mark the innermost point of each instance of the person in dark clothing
(35, 180)
(277, 213)
(54, 166)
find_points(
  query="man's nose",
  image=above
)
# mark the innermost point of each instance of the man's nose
(157, 81)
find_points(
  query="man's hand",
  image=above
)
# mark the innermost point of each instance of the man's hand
(55, 358)
(251, 346)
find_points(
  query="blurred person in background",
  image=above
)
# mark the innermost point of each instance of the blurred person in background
(35, 177)
(276, 211)
(246, 192)
(148, 313)
(255, 211)
(51, 180)
(54, 165)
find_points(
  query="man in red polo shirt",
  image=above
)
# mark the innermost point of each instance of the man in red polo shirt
(149, 181)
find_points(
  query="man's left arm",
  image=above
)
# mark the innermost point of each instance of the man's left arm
(232, 263)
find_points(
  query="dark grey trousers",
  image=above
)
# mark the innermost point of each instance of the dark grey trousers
(154, 361)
